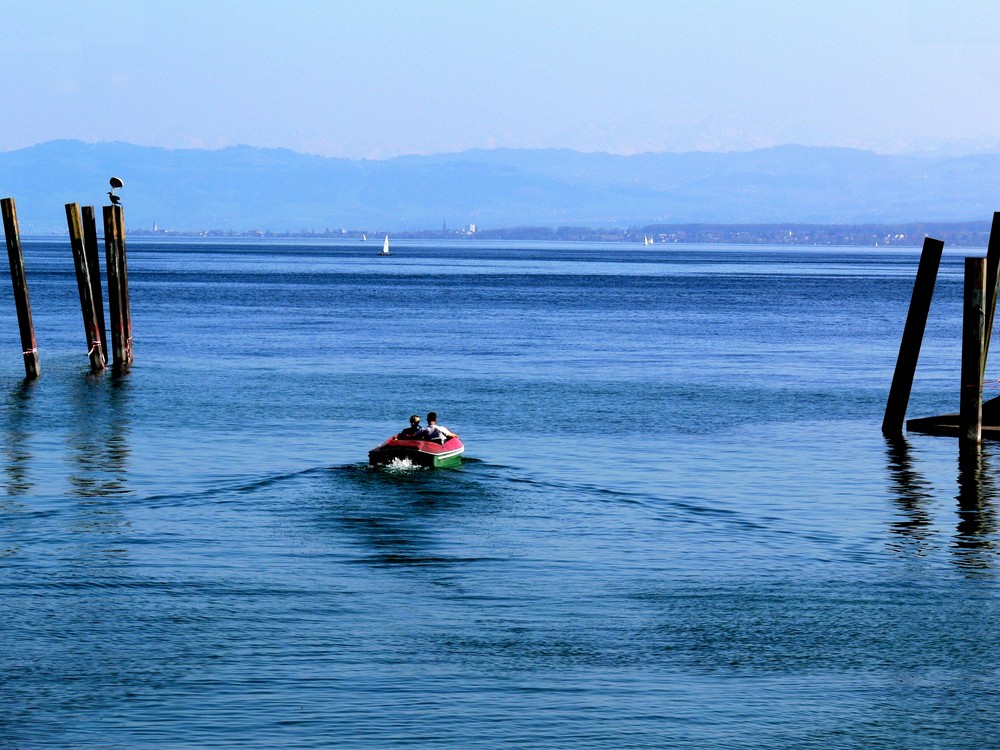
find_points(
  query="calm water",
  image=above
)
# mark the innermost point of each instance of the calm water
(679, 525)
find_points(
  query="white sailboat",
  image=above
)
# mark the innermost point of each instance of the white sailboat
(385, 246)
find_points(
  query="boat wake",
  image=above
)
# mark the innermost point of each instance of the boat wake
(400, 466)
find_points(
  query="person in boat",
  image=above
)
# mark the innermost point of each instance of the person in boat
(435, 431)
(410, 433)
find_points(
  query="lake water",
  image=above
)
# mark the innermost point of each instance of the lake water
(678, 525)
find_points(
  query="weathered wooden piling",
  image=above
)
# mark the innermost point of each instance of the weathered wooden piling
(92, 254)
(112, 257)
(95, 352)
(913, 335)
(973, 345)
(992, 282)
(29, 347)
(123, 282)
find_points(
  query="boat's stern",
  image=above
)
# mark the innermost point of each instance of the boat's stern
(419, 452)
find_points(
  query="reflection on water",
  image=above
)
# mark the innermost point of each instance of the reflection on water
(975, 534)
(98, 438)
(914, 496)
(16, 455)
(98, 453)
(974, 545)
(16, 458)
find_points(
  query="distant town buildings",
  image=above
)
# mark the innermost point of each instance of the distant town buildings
(954, 234)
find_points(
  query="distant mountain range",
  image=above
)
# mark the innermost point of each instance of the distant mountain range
(244, 188)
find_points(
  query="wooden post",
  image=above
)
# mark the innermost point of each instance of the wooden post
(94, 350)
(29, 347)
(913, 335)
(94, 270)
(973, 342)
(992, 282)
(114, 290)
(123, 282)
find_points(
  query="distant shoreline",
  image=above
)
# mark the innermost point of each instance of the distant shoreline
(954, 234)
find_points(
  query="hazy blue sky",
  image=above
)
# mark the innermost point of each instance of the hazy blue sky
(382, 78)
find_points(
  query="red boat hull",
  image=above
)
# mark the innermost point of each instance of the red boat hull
(429, 453)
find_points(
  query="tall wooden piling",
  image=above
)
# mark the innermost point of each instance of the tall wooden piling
(92, 254)
(95, 352)
(992, 282)
(29, 347)
(913, 335)
(973, 345)
(115, 322)
(119, 213)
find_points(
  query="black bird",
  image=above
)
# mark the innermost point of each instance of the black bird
(115, 184)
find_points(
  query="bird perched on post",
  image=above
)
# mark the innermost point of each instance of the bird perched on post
(115, 184)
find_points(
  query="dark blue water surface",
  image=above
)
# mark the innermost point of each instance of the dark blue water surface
(679, 524)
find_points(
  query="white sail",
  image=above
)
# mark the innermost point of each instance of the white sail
(385, 246)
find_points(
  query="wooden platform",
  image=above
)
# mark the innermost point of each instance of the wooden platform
(947, 424)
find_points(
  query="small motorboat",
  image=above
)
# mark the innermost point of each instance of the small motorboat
(430, 453)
